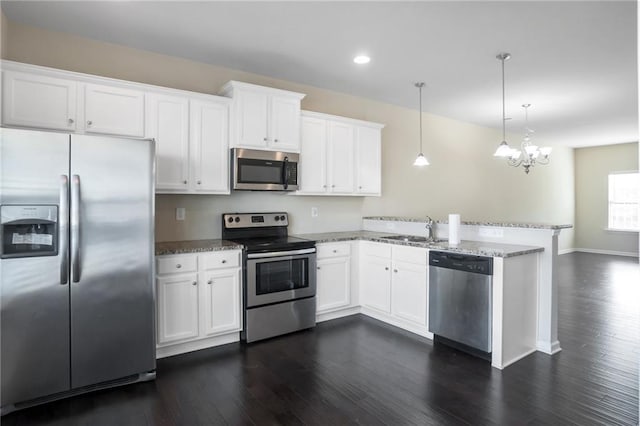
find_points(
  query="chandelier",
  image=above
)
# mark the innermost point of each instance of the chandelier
(528, 155)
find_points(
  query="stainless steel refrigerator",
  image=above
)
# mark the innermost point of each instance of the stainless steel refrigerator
(77, 229)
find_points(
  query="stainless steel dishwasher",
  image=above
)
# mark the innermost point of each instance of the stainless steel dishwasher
(460, 301)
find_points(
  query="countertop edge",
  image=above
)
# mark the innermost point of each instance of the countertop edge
(472, 223)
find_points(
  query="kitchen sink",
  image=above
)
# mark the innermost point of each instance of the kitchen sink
(411, 239)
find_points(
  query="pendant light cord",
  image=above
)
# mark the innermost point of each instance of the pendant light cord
(503, 109)
(420, 91)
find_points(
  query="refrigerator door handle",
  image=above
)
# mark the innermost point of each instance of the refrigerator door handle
(63, 230)
(75, 228)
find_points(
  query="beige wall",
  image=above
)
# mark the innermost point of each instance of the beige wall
(592, 168)
(464, 177)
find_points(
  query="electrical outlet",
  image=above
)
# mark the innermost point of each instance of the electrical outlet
(181, 213)
(314, 212)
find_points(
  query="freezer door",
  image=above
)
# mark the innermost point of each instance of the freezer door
(112, 292)
(34, 291)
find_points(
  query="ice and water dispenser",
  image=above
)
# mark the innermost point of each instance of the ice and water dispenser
(29, 230)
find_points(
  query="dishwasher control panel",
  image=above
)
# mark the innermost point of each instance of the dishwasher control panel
(461, 262)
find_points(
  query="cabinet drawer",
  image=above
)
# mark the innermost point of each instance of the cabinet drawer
(333, 250)
(375, 249)
(176, 264)
(221, 259)
(413, 255)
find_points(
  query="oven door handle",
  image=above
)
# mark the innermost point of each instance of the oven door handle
(280, 253)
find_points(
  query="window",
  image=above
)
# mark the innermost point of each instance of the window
(624, 190)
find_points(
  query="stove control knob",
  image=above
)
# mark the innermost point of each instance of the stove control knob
(277, 218)
(237, 219)
(282, 217)
(230, 219)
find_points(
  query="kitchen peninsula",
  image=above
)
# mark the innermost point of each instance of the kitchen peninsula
(349, 262)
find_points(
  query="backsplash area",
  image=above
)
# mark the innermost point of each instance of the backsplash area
(203, 213)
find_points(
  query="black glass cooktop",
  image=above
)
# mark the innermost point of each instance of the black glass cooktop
(264, 244)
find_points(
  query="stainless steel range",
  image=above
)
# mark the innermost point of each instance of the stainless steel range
(279, 274)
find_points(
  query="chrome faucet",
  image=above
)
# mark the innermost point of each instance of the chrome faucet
(429, 228)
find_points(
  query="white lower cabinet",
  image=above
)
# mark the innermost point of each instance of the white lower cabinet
(200, 309)
(177, 308)
(393, 284)
(334, 284)
(221, 301)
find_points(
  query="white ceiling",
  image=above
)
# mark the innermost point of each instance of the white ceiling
(575, 62)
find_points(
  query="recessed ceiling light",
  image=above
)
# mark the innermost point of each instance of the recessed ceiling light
(362, 59)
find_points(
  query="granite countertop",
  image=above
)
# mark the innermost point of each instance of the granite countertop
(478, 248)
(195, 246)
(472, 223)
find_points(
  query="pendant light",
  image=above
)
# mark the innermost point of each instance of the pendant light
(421, 160)
(503, 149)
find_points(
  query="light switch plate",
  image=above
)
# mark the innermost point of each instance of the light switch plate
(314, 212)
(181, 213)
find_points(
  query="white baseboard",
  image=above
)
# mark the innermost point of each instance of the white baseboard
(339, 313)
(548, 348)
(514, 359)
(566, 251)
(196, 345)
(608, 252)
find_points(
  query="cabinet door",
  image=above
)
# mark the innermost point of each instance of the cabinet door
(284, 133)
(409, 292)
(210, 146)
(375, 283)
(334, 283)
(168, 123)
(177, 308)
(250, 117)
(221, 301)
(340, 159)
(35, 101)
(113, 110)
(313, 156)
(368, 163)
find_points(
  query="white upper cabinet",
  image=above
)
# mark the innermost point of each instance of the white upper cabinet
(113, 110)
(339, 156)
(263, 117)
(368, 161)
(313, 161)
(210, 146)
(168, 123)
(191, 143)
(31, 100)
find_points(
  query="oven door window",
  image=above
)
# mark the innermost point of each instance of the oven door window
(260, 171)
(282, 275)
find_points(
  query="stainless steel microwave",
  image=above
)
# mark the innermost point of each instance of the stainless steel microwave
(256, 170)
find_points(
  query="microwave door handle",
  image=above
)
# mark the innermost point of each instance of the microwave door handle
(286, 173)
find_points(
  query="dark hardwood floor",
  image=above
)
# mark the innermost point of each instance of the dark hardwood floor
(358, 370)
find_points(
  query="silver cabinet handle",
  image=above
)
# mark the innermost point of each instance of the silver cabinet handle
(63, 230)
(71, 121)
(335, 251)
(184, 181)
(275, 140)
(265, 139)
(395, 270)
(333, 186)
(386, 268)
(210, 282)
(194, 283)
(198, 182)
(89, 123)
(224, 261)
(75, 228)
(178, 266)
(317, 267)
(324, 186)
(359, 187)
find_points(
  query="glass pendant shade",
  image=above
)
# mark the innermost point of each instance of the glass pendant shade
(503, 150)
(421, 160)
